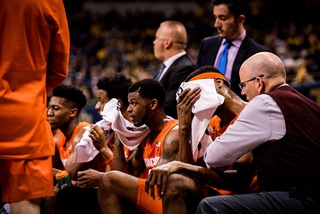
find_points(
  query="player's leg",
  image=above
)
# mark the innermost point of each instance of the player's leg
(117, 192)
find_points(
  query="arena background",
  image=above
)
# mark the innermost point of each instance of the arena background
(116, 36)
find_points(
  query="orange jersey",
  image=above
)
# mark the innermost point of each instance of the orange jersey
(65, 150)
(34, 58)
(218, 131)
(152, 151)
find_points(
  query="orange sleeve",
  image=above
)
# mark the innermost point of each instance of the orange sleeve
(59, 52)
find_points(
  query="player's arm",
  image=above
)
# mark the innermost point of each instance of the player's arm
(236, 180)
(56, 161)
(98, 138)
(135, 164)
(186, 101)
(58, 59)
(170, 146)
(169, 154)
(73, 168)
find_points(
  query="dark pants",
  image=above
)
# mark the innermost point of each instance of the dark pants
(264, 202)
(77, 200)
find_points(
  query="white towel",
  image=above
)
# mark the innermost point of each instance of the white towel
(203, 111)
(85, 151)
(113, 120)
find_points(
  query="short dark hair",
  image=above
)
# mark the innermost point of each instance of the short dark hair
(71, 93)
(150, 89)
(237, 7)
(116, 86)
(205, 69)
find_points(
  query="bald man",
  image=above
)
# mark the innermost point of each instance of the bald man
(282, 128)
(169, 47)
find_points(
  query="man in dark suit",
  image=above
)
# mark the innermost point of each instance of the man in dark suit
(169, 47)
(229, 16)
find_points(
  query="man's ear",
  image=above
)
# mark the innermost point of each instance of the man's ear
(153, 104)
(167, 43)
(219, 82)
(241, 19)
(260, 85)
(74, 112)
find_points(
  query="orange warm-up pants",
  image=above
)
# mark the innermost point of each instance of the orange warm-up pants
(26, 179)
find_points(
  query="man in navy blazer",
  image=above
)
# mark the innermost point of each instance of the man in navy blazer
(229, 18)
(169, 47)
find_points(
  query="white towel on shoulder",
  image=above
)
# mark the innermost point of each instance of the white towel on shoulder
(113, 120)
(203, 111)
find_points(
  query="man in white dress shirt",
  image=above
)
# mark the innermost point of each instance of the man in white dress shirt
(282, 128)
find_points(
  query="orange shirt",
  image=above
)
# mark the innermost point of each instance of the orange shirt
(217, 131)
(215, 124)
(152, 152)
(65, 150)
(34, 55)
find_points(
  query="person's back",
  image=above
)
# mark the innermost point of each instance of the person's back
(34, 54)
(30, 66)
(292, 161)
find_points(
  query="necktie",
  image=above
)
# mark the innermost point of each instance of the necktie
(160, 72)
(223, 58)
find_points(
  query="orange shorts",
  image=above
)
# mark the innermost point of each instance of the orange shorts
(218, 191)
(26, 179)
(145, 203)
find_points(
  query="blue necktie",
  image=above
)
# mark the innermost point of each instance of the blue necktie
(160, 72)
(223, 58)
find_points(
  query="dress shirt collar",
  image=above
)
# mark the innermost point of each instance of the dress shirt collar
(237, 41)
(170, 61)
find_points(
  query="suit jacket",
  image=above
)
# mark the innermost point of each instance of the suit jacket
(171, 81)
(208, 50)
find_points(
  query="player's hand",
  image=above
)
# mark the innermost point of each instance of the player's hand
(89, 178)
(186, 101)
(159, 176)
(98, 137)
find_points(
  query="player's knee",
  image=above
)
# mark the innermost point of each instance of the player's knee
(107, 181)
(176, 186)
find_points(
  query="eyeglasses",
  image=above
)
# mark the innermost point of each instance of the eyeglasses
(243, 84)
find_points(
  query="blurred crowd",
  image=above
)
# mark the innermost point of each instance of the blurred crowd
(112, 42)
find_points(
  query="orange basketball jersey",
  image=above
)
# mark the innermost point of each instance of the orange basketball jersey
(152, 151)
